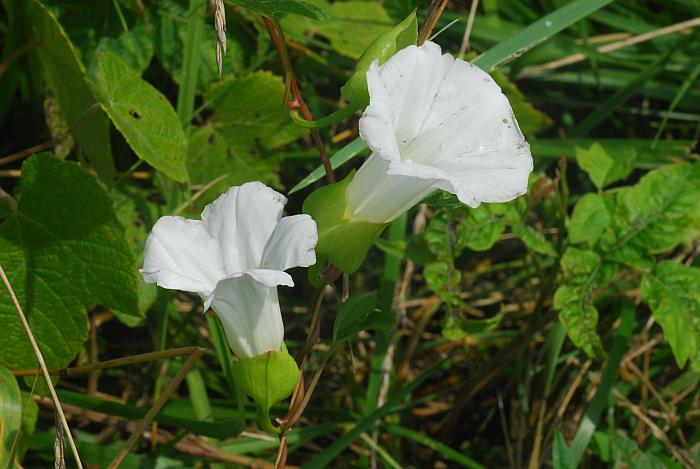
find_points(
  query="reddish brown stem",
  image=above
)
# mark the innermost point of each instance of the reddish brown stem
(292, 95)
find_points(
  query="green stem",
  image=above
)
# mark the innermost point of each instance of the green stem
(329, 120)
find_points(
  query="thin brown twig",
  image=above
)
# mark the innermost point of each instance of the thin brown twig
(170, 388)
(17, 53)
(434, 14)
(579, 57)
(123, 361)
(49, 143)
(292, 88)
(468, 30)
(42, 364)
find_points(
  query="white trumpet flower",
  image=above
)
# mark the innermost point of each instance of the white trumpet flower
(435, 122)
(235, 258)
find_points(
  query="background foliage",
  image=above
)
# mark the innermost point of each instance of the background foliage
(558, 329)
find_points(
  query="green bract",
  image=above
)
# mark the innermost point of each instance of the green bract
(341, 240)
(267, 378)
(402, 35)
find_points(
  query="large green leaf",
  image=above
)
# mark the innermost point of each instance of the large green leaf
(652, 216)
(142, 114)
(583, 273)
(249, 110)
(63, 249)
(67, 79)
(672, 291)
(10, 416)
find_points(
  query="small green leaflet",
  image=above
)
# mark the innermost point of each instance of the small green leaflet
(589, 219)
(61, 257)
(603, 168)
(583, 273)
(278, 7)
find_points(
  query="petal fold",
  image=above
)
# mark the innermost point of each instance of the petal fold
(181, 255)
(292, 244)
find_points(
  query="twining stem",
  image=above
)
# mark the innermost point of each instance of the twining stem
(130, 360)
(292, 94)
(42, 364)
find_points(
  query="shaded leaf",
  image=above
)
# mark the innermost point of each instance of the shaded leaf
(61, 257)
(278, 7)
(480, 230)
(534, 240)
(359, 314)
(67, 79)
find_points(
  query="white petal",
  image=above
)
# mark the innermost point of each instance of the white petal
(242, 220)
(291, 244)
(250, 312)
(443, 122)
(181, 255)
(378, 195)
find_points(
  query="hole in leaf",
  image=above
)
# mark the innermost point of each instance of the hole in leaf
(133, 113)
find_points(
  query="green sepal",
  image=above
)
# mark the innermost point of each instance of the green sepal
(267, 378)
(402, 35)
(341, 240)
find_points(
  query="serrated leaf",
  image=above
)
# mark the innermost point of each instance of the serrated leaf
(652, 216)
(66, 77)
(359, 314)
(589, 219)
(142, 114)
(60, 257)
(10, 416)
(672, 291)
(604, 169)
(574, 299)
(480, 230)
(534, 240)
(444, 280)
(248, 112)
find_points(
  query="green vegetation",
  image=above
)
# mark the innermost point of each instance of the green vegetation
(559, 329)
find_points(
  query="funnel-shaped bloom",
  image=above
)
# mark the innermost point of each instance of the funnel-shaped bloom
(234, 258)
(435, 122)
